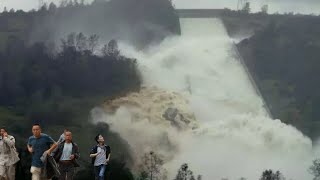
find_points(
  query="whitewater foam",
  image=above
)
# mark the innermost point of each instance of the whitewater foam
(235, 137)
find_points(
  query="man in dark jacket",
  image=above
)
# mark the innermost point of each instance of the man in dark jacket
(66, 155)
(100, 155)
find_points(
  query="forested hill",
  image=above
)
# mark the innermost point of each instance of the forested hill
(59, 62)
(138, 22)
(284, 59)
(53, 71)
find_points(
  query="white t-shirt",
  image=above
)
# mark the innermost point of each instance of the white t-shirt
(67, 151)
(101, 157)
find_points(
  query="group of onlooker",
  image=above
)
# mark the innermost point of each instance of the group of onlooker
(49, 158)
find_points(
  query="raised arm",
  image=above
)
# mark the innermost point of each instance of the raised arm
(9, 140)
(53, 146)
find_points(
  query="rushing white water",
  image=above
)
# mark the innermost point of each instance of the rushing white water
(236, 138)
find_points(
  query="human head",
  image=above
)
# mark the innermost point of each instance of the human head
(68, 136)
(99, 138)
(66, 130)
(3, 130)
(36, 130)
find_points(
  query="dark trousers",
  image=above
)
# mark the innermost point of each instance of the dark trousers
(66, 170)
(100, 171)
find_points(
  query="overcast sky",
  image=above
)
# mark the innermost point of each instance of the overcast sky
(302, 6)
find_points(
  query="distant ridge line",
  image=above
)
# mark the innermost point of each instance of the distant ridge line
(199, 13)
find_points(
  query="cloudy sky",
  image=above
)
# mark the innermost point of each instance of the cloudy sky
(302, 6)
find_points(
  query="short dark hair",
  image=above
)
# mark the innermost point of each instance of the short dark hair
(36, 124)
(4, 128)
(97, 138)
(67, 130)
